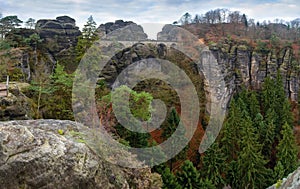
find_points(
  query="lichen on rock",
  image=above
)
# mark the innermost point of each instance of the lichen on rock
(34, 154)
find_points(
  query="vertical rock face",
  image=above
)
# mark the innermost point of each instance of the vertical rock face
(244, 66)
(52, 154)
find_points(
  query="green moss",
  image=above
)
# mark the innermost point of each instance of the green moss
(213, 46)
(278, 183)
(60, 131)
(242, 48)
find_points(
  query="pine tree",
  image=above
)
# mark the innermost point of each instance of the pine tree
(169, 180)
(287, 150)
(188, 177)
(213, 165)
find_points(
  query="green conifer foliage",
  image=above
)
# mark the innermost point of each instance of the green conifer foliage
(251, 164)
(213, 165)
(287, 150)
(169, 180)
(188, 177)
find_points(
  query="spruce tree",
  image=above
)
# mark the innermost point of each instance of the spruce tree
(231, 132)
(188, 177)
(89, 35)
(287, 150)
(278, 171)
(213, 164)
(251, 164)
(253, 105)
(282, 108)
(268, 95)
(169, 180)
(172, 125)
(268, 134)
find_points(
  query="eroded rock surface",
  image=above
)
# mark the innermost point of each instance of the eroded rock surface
(291, 182)
(53, 154)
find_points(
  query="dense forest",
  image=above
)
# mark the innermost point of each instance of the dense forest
(258, 145)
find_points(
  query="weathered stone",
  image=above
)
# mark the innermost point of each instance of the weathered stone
(132, 32)
(291, 182)
(14, 107)
(53, 154)
(111, 26)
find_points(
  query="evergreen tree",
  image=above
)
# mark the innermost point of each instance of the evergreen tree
(30, 23)
(253, 105)
(188, 177)
(231, 132)
(89, 35)
(259, 125)
(59, 104)
(251, 164)
(282, 107)
(169, 180)
(278, 171)
(213, 165)
(287, 150)
(8, 23)
(268, 134)
(268, 95)
(172, 125)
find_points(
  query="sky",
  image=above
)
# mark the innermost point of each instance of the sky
(145, 11)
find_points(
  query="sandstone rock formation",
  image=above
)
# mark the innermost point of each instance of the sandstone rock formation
(122, 31)
(291, 182)
(15, 106)
(53, 154)
(62, 32)
(60, 39)
(111, 26)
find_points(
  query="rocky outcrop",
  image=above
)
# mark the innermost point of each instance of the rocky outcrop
(243, 65)
(59, 39)
(61, 33)
(291, 182)
(53, 154)
(122, 31)
(15, 106)
(111, 26)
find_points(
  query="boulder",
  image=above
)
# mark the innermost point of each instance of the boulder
(54, 154)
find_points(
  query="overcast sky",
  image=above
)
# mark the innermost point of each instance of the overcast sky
(145, 11)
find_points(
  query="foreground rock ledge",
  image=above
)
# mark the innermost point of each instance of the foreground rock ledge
(47, 154)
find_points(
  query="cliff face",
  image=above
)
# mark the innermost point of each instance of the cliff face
(33, 60)
(53, 154)
(242, 64)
